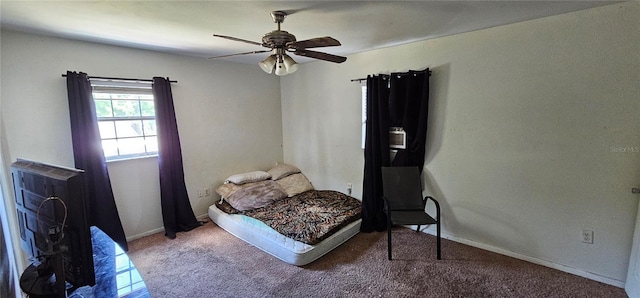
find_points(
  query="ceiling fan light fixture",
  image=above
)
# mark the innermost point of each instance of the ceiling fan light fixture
(268, 64)
(289, 64)
(281, 69)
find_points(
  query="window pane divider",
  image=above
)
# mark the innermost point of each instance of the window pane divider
(126, 118)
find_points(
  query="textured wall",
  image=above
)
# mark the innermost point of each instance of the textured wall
(228, 116)
(528, 128)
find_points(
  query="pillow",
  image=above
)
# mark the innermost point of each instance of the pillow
(248, 177)
(282, 170)
(225, 190)
(295, 184)
(256, 195)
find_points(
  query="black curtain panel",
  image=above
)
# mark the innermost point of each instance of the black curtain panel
(409, 108)
(177, 214)
(88, 155)
(376, 153)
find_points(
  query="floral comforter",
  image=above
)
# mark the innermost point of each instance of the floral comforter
(309, 217)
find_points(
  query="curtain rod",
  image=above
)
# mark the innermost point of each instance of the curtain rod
(393, 73)
(121, 79)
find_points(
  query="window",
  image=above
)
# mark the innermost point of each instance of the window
(397, 135)
(126, 118)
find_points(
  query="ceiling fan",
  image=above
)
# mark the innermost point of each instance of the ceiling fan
(279, 42)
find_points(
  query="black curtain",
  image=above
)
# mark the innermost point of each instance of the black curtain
(88, 155)
(177, 214)
(376, 153)
(398, 100)
(409, 108)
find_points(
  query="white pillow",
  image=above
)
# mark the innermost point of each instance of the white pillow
(248, 177)
(282, 170)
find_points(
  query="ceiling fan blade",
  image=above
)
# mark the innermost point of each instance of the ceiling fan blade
(238, 39)
(321, 56)
(317, 42)
(238, 54)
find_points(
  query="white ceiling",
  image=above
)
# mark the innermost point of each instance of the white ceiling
(186, 27)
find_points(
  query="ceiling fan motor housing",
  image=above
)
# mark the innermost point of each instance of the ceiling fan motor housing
(277, 39)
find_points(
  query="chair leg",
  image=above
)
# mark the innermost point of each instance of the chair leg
(438, 240)
(389, 241)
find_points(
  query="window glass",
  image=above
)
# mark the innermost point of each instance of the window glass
(152, 144)
(107, 129)
(129, 128)
(149, 127)
(126, 119)
(110, 148)
(103, 108)
(131, 146)
(126, 108)
(147, 108)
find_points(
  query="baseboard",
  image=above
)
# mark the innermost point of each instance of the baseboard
(147, 233)
(564, 268)
(203, 217)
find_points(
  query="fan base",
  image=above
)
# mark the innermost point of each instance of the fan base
(278, 16)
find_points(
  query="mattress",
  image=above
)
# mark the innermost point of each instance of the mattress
(268, 240)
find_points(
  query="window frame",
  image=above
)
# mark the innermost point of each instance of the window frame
(133, 91)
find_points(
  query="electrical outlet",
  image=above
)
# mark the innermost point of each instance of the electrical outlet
(586, 236)
(207, 192)
(200, 193)
(349, 188)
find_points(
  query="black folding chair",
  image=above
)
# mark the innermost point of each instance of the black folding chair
(404, 203)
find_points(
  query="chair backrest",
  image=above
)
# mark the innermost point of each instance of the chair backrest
(402, 188)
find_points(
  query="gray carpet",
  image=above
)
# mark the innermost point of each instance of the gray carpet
(209, 262)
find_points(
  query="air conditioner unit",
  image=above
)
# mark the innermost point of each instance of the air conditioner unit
(397, 138)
